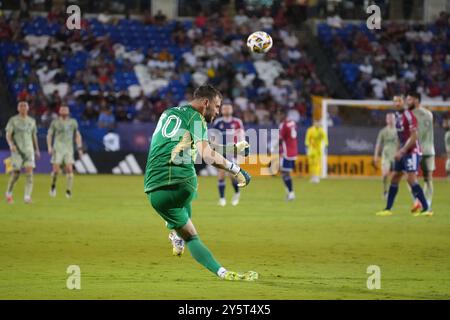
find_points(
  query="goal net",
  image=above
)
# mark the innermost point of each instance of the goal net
(352, 127)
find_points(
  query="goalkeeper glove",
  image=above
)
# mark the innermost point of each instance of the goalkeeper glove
(242, 147)
(243, 178)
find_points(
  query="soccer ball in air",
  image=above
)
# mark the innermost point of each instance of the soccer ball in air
(259, 42)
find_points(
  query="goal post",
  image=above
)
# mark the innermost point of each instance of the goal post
(432, 105)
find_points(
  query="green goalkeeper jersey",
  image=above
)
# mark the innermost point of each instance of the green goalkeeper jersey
(426, 132)
(64, 133)
(172, 151)
(22, 131)
(388, 138)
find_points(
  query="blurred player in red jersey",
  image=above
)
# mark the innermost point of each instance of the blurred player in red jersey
(288, 151)
(407, 159)
(232, 131)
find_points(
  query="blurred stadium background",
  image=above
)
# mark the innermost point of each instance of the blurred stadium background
(133, 59)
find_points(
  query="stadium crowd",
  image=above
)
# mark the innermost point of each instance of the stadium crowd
(117, 70)
(399, 57)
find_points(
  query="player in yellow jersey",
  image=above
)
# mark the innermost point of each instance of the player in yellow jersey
(315, 140)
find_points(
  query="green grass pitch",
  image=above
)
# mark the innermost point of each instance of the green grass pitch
(318, 247)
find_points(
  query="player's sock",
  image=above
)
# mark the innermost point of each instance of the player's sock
(235, 185)
(393, 189)
(202, 254)
(12, 181)
(288, 182)
(428, 190)
(54, 177)
(28, 185)
(221, 186)
(69, 182)
(418, 193)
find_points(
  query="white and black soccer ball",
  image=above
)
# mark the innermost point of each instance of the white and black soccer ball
(259, 42)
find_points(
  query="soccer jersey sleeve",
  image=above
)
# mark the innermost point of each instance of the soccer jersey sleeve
(197, 128)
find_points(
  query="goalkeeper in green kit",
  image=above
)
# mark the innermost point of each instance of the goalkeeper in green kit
(170, 177)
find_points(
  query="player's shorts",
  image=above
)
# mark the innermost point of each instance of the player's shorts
(408, 163)
(447, 165)
(59, 157)
(428, 163)
(387, 164)
(22, 160)
(287, 165)
(173, 203)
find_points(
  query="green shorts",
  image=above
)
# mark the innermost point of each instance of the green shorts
(173, 203)
(427, 164)
(62, 157)
(22, 160)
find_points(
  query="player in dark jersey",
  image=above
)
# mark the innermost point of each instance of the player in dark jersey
(407, 159)
(231, 131)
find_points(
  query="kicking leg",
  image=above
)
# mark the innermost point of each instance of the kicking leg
(203, 256)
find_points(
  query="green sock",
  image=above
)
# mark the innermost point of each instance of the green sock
(202, 254)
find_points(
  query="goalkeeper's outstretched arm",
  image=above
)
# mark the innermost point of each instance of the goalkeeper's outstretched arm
(217, 160)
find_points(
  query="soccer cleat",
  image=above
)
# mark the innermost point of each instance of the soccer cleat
(68, 194)
(222, 202)
(27, 200)
(426, 213)
(250, 276)
(246, 276)
(290, 196)
(235, 199)
(417, 207)
(177, 243)
(9, 198)
(52, 192)
(384, 213)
